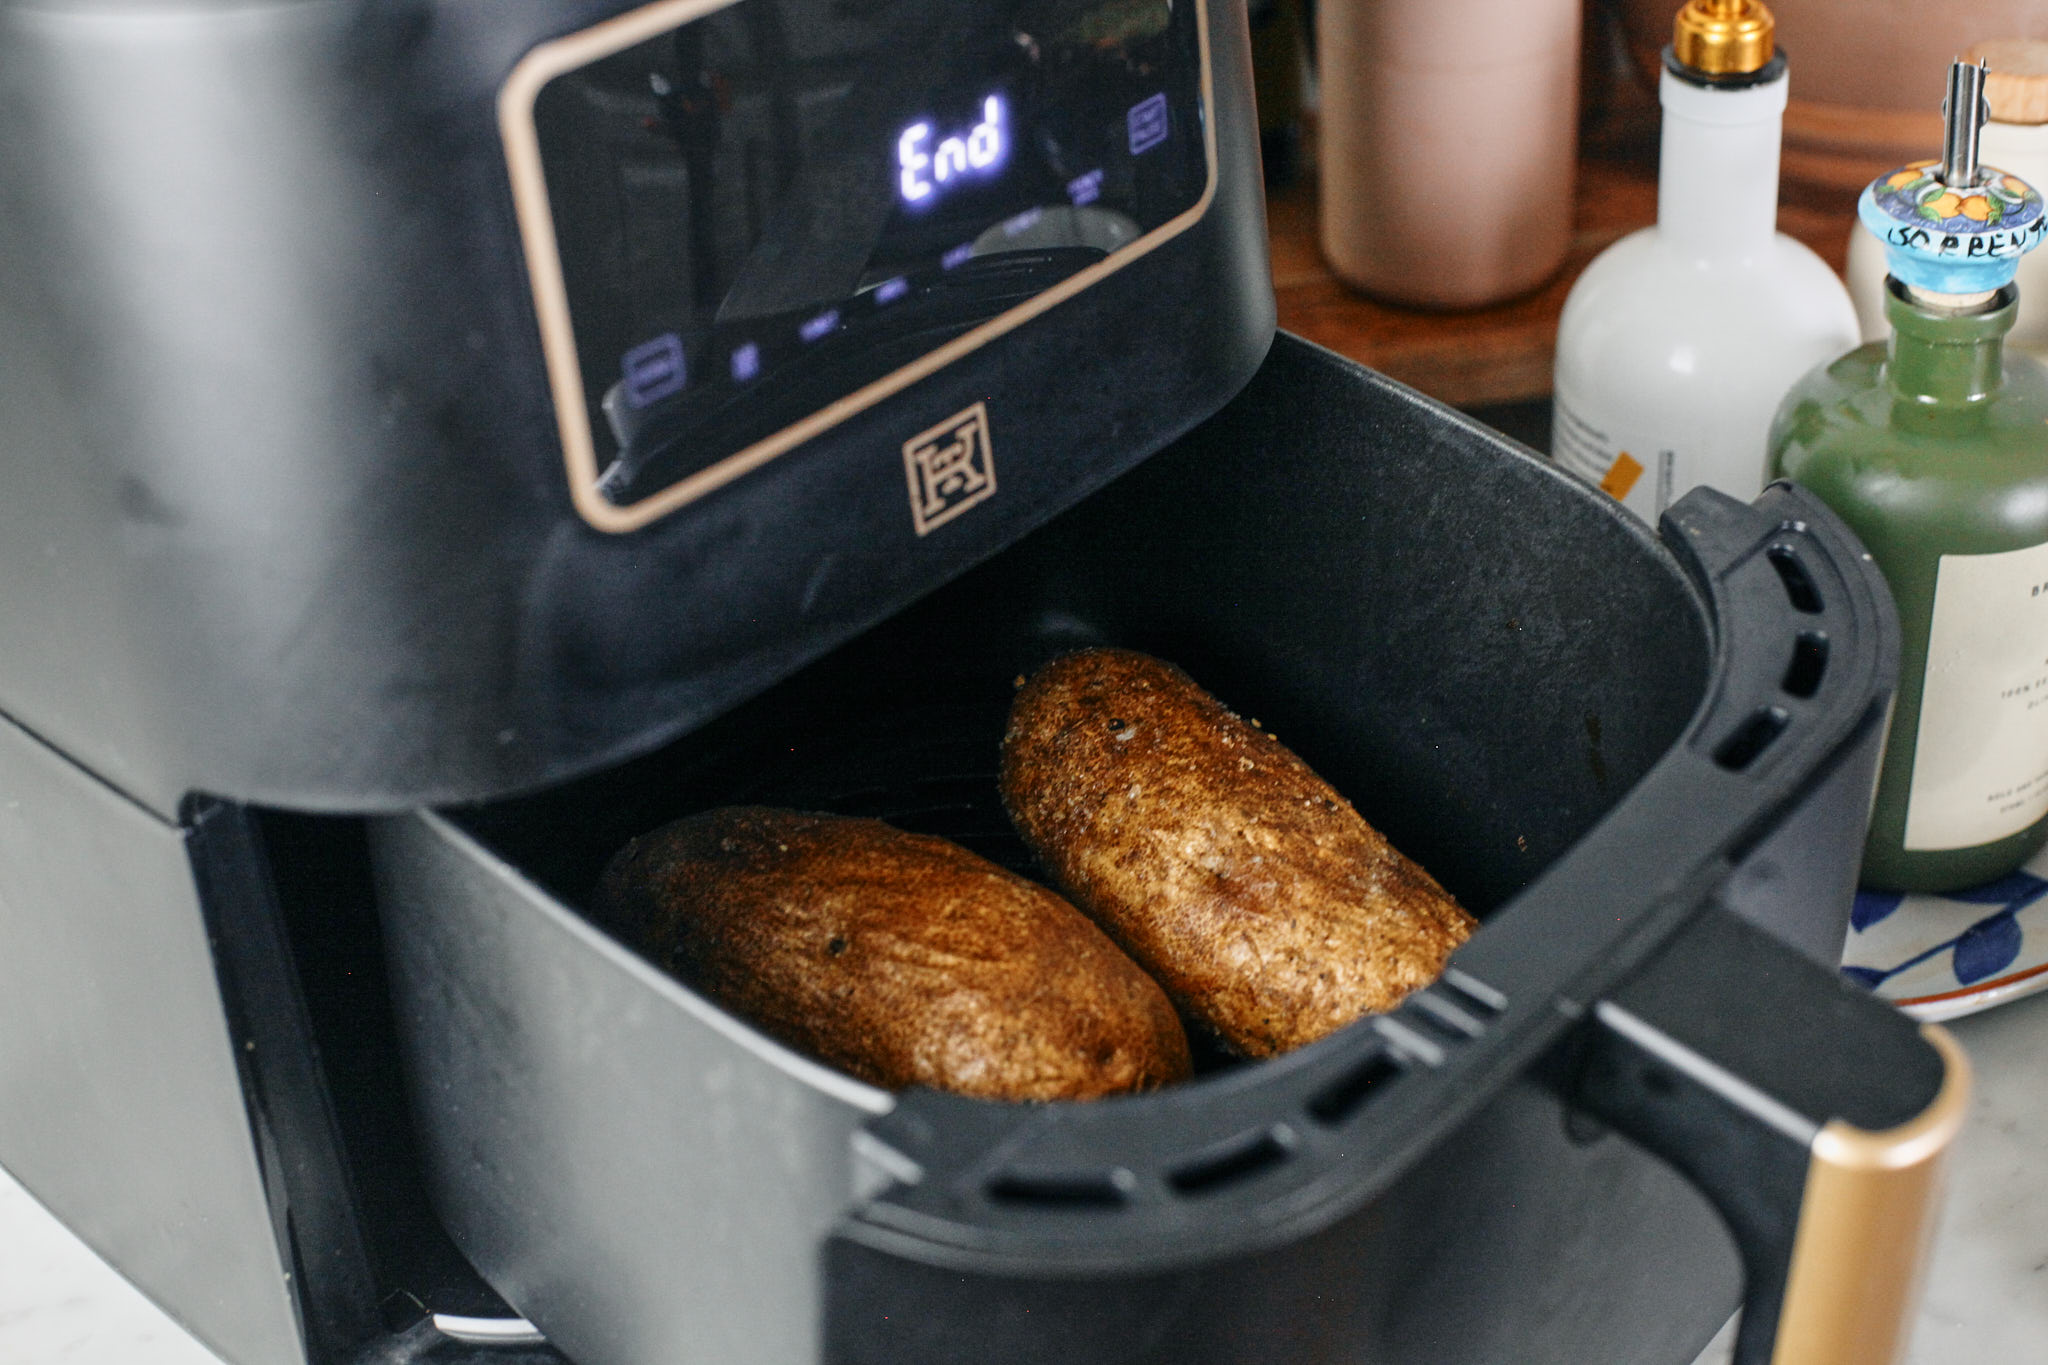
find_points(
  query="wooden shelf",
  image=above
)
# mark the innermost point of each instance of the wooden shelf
(1492, 355)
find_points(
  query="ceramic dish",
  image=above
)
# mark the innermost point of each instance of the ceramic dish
(1940, 956)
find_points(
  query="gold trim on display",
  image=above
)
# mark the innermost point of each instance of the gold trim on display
(1864, 1229)
(551, 295)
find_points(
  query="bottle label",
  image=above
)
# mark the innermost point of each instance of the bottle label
(1980, 761)
(1636, 474)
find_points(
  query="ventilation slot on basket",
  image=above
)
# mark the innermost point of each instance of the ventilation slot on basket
(1443, 1017)
(1235, 1162)
(1740, 749)
(1343, 1098)
(1809, 663)
(1471, 991)
(1805, 597)
(1063, 1189)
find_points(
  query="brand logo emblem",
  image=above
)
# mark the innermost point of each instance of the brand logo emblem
(950, 468)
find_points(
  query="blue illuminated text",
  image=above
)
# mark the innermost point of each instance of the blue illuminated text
(925, 169)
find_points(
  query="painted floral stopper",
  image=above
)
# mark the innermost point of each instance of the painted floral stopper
(1954, 226)
(1947, 240)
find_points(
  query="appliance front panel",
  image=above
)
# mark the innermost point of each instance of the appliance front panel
(313, 545)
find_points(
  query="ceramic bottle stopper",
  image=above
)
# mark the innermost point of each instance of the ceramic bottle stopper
(1679, 340)
(1933, 446)
(2016, 139)
(1953, 230)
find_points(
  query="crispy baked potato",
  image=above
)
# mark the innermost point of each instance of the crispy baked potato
(1268, 908)
(901, 958)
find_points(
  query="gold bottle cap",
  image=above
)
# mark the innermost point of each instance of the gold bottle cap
(2017, 87)
(1724, 37)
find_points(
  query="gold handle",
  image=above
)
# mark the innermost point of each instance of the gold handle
(1865, 1226)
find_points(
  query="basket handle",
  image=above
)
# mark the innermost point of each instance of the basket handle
(1813, 1116)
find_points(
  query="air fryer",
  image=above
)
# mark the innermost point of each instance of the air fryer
(445, 439)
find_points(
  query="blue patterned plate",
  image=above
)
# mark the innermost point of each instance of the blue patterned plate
(1938, 957)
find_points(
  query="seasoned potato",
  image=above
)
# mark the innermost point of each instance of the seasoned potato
(1259, 898)
(901, 958)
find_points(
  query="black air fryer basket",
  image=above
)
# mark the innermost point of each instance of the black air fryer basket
(1644, 761)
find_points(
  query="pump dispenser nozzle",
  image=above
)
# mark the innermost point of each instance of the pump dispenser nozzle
(1964, 113)
(1954, 230)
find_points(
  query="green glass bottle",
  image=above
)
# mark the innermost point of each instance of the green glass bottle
(1933, 446)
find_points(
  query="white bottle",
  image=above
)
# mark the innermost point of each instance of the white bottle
(2015, 141)
(1678, 342)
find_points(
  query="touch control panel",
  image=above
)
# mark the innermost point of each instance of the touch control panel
(746, 221)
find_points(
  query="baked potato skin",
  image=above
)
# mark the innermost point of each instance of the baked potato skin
(901, 958)
(1267, 906)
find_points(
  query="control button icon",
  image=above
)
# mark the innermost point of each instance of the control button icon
(888, 291)
(819, 327)
(1085, 189)
(746, 362)
(653, 370)
(1148, 124)
(1022, 222)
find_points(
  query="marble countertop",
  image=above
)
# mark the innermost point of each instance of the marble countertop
(1987, 1295)
(62, 1305)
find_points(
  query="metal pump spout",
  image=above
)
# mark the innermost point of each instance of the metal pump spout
(1964, 114)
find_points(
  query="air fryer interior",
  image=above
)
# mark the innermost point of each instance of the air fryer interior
(1482, 683)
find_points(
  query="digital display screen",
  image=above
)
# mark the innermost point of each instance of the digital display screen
(767, 208)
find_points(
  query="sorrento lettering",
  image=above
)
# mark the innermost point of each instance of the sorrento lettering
(1980, 244)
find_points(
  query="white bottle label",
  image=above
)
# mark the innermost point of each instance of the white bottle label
(1638, 475)
(1980, 762)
